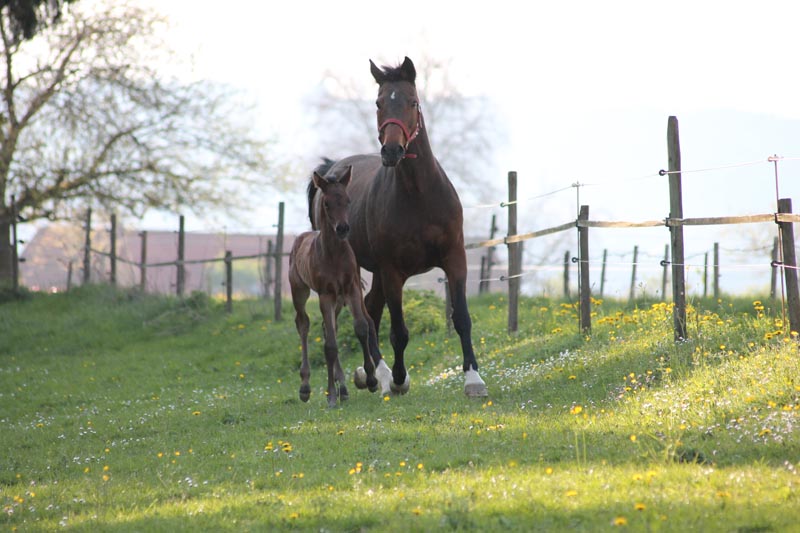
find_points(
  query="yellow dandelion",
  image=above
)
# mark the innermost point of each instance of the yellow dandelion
(548, 471)
(619, 521)
(633, 438)
(417, 511)
(639, 507)
(386, 398)
(571, 493)
(106, 477)
(196, 413)
(420, 466)
(576, 409)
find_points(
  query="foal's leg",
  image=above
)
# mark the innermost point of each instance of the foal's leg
(300, 293)
(336, 386)
(393, 291)
(455, 267)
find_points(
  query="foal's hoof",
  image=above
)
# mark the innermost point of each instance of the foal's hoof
(384, 376)
(474, 387)
(360, 378)
(343, 394)
(401, 389)
(305, 392)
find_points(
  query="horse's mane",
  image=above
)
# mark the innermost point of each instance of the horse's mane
(321, 169)
(393, 74)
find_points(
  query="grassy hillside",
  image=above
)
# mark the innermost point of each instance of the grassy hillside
(125, 412)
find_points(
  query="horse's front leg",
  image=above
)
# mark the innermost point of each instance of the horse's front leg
(362, 324)
(374, 303)
(336, 386)
(398, 335)
(456, 271)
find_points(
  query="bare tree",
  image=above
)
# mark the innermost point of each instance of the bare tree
(89, 117)
(26, 17)
(464, 130)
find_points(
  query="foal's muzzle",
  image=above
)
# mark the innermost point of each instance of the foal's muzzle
(342, 230)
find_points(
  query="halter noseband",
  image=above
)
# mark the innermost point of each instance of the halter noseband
(409, 137)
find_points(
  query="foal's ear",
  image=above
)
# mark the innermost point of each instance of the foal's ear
(376, 73)
(345, 179)
(408, 70)
(319, 181)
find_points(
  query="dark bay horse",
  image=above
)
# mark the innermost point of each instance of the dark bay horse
(324, 262)
(405, 219)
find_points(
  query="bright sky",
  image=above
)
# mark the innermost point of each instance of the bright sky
(584, 89)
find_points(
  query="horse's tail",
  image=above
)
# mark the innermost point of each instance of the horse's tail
(322, 169)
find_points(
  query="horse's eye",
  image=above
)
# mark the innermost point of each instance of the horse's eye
(414, 104)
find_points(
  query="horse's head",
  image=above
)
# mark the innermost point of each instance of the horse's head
(399, 118)
(334, 201)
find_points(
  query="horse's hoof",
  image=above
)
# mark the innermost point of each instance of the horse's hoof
(305, 392)
(372, 384)
(401, 389)
(360, 378)
(343, 394)
(474, 387)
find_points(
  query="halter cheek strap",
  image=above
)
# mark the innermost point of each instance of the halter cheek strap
(409, 137)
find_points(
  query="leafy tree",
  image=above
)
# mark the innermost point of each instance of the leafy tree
(89, 117)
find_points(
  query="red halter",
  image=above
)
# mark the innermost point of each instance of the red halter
(409, 137)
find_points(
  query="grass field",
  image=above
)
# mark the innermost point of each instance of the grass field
(123, 412)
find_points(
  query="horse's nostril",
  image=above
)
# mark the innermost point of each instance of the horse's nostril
(342, 230)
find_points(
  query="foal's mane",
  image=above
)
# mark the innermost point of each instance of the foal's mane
(311, 191)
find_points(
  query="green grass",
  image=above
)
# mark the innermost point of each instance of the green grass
(125, 412)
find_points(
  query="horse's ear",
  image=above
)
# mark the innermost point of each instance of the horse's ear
(408, 69)
(376, 73)
(319, 181)
(345, 179)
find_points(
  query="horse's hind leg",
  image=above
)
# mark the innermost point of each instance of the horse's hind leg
(300, 294)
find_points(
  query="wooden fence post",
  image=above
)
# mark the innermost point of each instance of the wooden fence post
(228, 281)
(87, 248)
(279, 265)
(180, 282)
(705, 276)
(483, 278)
(113, 252)
(632, 294)
(676, 232)
(143, 263)
(514, 267)
(603, 273)
(268, 270)
(790, 266)
(716, 270)
(665, 273)
(566, 275)
(448, 307)
(14, 250)
(773, 284)
(583, 265)
(489, 257)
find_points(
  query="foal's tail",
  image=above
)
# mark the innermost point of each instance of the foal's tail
(311, 191)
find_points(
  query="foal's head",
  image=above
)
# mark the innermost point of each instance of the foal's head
(398, 110)
(334, 201)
